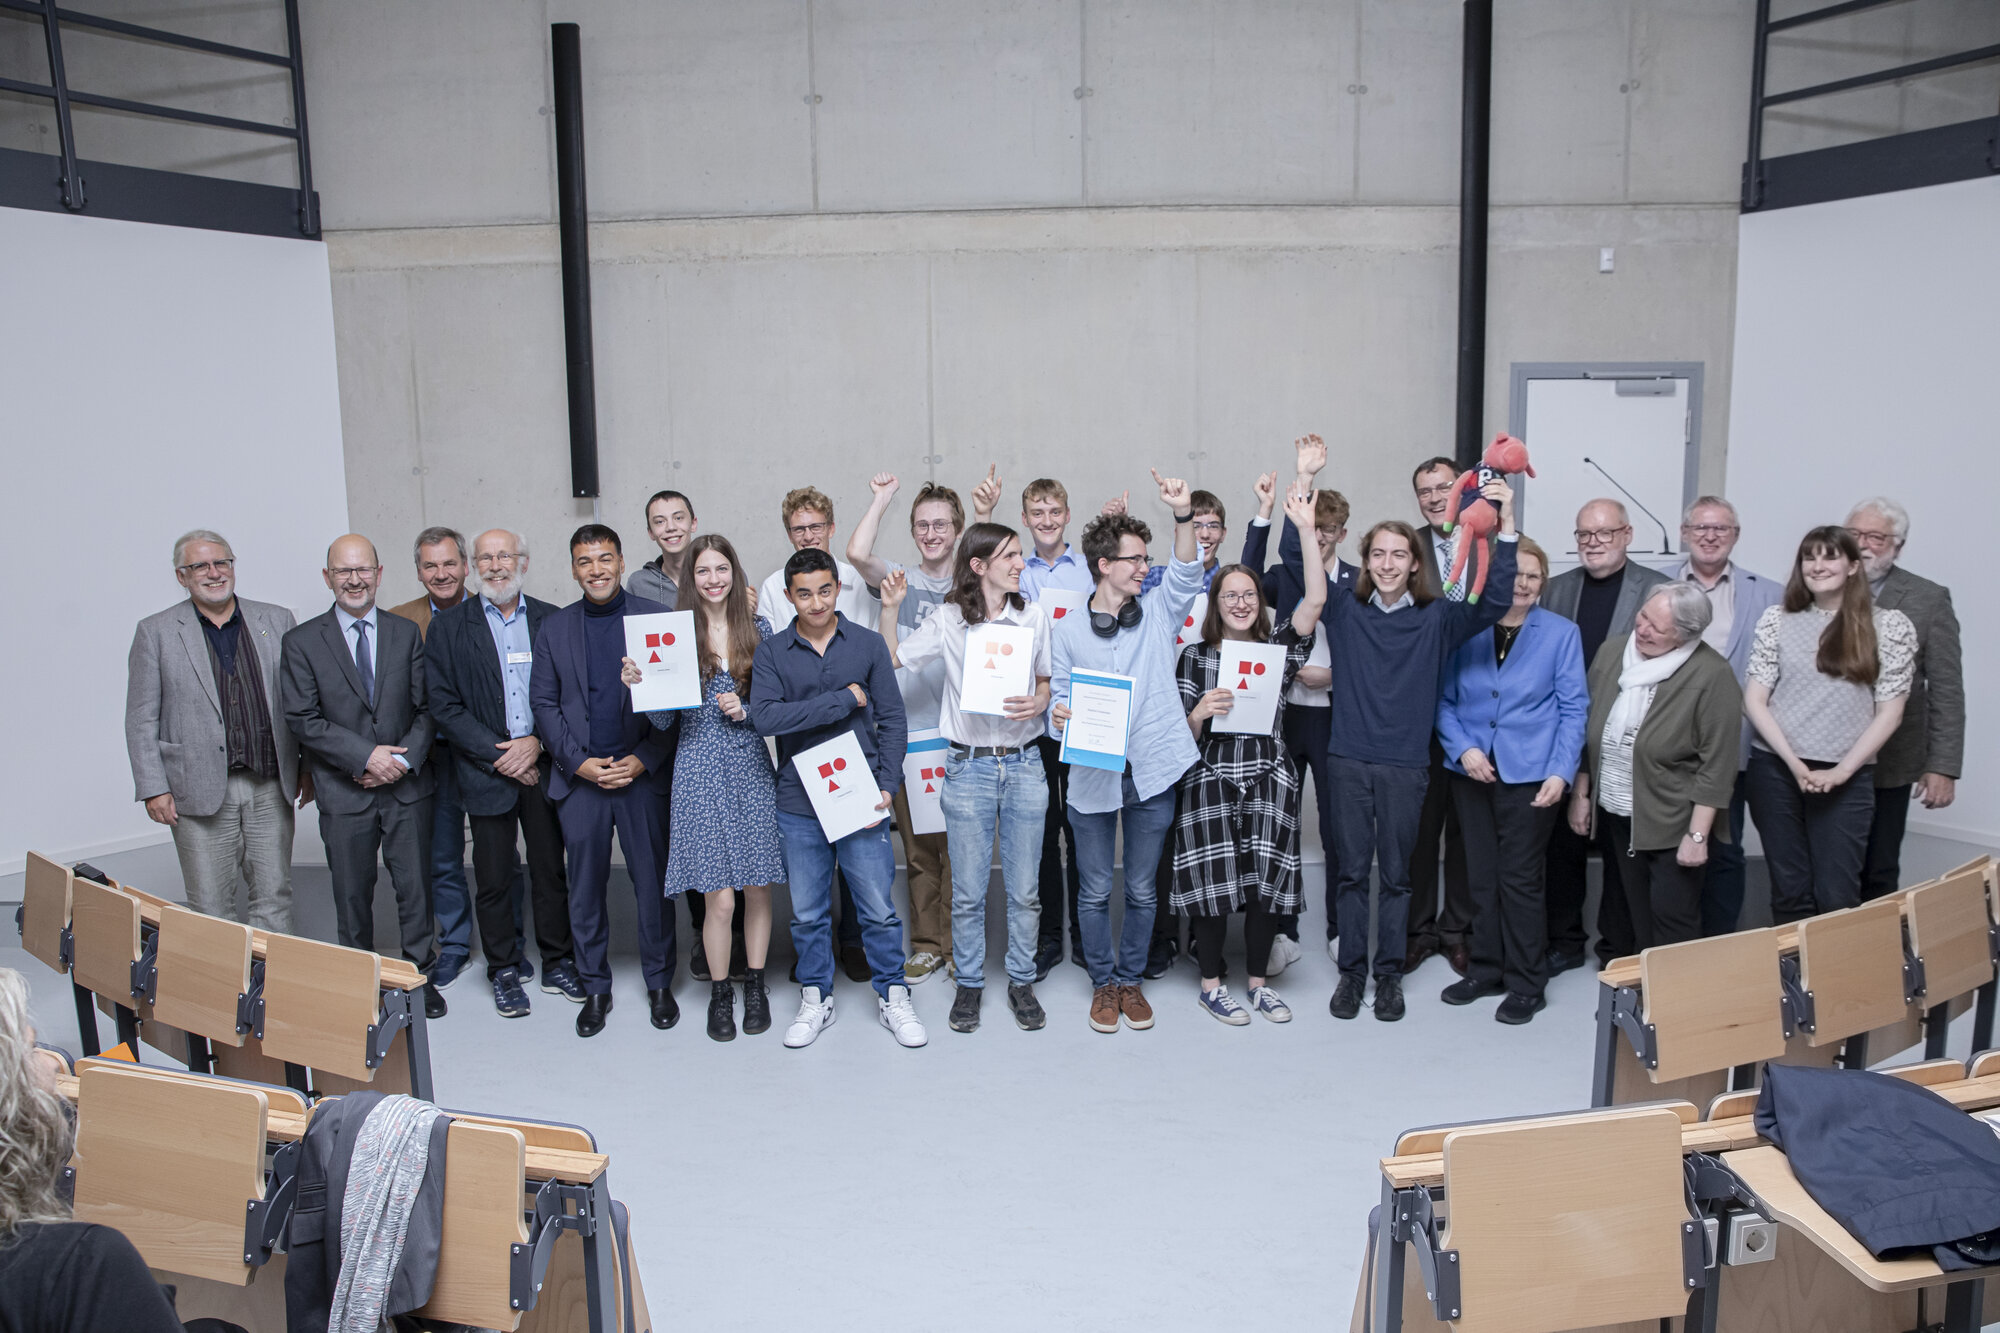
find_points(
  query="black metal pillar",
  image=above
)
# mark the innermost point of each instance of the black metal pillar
(573, 219)
(1475, 124)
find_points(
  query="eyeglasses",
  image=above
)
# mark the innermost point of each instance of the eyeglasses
(1209, 528)
(1598, 536)
(1138, 561)
(1709, 529)
(942, 527)
(210, 566)
(495, 558)
(1237, 598)
(808, 531)
(1435, 492)
(1874, 541)
(355, 572)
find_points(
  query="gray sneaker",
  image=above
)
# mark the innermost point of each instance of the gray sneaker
(965, 1009)
(1027, 1009)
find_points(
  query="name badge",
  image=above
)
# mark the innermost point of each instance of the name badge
(520, 659)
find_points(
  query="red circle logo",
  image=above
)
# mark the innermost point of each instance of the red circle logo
(839, 764)
(1257, 670)
(1187, 622)
(666, 640)
(1006, 650)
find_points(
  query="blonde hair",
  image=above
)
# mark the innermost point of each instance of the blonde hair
(36, 1137)
(805, 497)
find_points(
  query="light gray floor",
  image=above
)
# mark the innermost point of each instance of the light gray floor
(1193, 1176)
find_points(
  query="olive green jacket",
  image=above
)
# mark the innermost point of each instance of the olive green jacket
(1686, 750)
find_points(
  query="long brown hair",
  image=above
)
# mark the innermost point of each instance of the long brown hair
(1420, 579)
(982, 541)
(1211, 624)
(1847, 646)
(743, 636)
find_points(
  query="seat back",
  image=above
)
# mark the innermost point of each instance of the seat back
(1714, 1003)
(45, 908)
(319, 1002)
(173, 1164)
(204, 967)
(1851, 963)
(1430, 1138)
(1567, 1222)
(485, 1177)
(277, 1098)
(104, 929)
(1948, 931)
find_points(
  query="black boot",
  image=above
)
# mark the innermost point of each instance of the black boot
(590, 1018)
(666, 1012)
(722, 1012)
(756, 1002)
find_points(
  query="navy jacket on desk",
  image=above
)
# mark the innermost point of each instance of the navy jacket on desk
(469, 699)
(1282, 587)
(558, 692)
(801, 698)
(1896, 1164)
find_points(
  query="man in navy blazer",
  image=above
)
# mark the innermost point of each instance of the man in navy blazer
(608, 767)
(1709, 529)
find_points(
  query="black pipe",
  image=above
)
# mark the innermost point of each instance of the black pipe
(1475, 127)
(572, 217)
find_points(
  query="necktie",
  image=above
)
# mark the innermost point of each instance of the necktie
(364, 661)
(1448, 553)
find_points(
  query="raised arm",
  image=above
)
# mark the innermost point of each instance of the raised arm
(1299, 509)
(861, 546)
(986, 495)
(1174, 495)
(895, 587)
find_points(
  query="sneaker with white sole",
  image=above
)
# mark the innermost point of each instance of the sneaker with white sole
(1333, 949)
(921, 966)
(1265, 1001)
(1222, 1006)
(815, 1014)
(1284, 952)
(900, 1017)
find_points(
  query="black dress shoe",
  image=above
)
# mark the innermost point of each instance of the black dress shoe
(1470, 989)
(1419, 950)
(1459, 957)
(590, 1018)
(1518, 1009)
(666, 1013)
(722, 1012)
(434, 1005)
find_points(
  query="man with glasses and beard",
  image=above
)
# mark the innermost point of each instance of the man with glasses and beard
(480, 655)
(354, 689)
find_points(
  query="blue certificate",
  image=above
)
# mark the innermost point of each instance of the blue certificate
(1100, 718)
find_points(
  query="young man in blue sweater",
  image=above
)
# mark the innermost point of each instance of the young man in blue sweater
(1389, 641)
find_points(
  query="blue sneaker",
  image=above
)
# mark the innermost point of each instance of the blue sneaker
(527, 968)
(560, 978)
(1222, 1005)
(508, 996)
(446, 969)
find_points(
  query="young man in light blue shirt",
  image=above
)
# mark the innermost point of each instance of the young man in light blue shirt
(1127, 633)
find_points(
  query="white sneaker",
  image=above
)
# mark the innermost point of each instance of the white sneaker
(1284, 952)
(920, 966)
(815, 1014)
(900, 1017)
(1333, 949)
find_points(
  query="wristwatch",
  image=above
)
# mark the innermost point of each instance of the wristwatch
(1698, 837)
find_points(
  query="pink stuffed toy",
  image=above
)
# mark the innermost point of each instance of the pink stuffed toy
(1475, 515)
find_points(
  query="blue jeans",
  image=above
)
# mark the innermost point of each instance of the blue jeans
(1376, 811)
(869, 866)
(451, 900)
(1009, 796)
(1146, 826)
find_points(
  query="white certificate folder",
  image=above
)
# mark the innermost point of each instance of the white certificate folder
(669, 673)
(1255, 674)
(1100, 719)
(998, 667)
(840, 786)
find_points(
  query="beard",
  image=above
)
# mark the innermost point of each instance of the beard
(504, 589)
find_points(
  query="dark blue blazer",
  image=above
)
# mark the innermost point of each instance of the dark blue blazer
(1282, 588)
(1529, 715)
(558, 692)
(469, 699)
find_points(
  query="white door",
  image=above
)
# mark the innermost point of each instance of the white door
(1625, 439)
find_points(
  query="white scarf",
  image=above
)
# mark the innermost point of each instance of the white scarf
(1638, 678)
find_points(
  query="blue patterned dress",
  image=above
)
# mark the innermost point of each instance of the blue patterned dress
(725, 821)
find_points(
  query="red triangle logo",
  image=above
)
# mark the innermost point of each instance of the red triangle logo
(654, 658)
(1242, 684)
(833, 786)
(991, 664)
(930, 786)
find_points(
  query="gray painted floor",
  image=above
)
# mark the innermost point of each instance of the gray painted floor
(1186, 1177)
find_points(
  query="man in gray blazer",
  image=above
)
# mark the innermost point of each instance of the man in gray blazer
(354, 690)
(1603, 596)
(211, 756)
(1709, 529)
(1924, 757)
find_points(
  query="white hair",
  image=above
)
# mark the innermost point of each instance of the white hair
(1690, 608)
(189, 538)
(1899, 517)
(1624, 518)
(36, 1138)
(1711, 502)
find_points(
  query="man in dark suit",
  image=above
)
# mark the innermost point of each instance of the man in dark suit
(1921, 761)
(1603, 596)
(607, 770)
(480, 654)
(354, 694)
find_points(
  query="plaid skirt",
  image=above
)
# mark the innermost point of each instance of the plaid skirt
(1237, 833)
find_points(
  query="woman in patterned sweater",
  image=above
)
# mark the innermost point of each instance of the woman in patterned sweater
(1829, 672)
(1236, 840)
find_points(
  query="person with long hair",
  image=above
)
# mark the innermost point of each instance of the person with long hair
(1829, 673)
(725, 794)
(57, 1275)
(994, 783)
(1236, 837)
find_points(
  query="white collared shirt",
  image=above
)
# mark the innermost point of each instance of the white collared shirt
(1721, 601)
(1408, 599)
(941, 638)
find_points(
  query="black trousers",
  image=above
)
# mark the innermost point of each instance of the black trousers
(1814, 843)
(1567, 878)
(1166, 926)
(1506, 845)
(1662, 896)
(1882, 868)
(402, 834)
(1058, 879)
(1308, 730)
(1437, 827)
(1206, 934)
(493, 879)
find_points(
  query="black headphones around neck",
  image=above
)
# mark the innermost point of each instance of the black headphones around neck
(1105, 624)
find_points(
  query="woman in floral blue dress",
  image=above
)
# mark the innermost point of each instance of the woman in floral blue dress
(725, 824)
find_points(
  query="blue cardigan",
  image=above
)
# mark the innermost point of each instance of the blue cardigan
(1528, 716)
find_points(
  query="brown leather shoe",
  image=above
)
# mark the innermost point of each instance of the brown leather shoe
(1419, 950)
(1459, 957)
(1132, 1003)
(1104, 1008)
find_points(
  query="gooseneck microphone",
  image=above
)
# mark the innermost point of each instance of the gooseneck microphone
(1666, 542)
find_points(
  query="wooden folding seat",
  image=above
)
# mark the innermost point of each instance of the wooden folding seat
(325, 1007)
(1952, 942)
(1847, 980)
(1692, 1013)
(45, 911)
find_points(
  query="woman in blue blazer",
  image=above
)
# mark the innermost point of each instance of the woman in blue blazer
(1511, 717)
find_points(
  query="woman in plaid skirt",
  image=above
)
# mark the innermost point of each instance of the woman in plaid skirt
(1236, 840)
